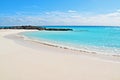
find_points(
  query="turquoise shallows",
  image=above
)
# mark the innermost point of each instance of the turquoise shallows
(100, 39)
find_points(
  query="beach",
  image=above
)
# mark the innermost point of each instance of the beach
(27, 60)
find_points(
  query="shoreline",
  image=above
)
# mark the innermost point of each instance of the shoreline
(79, 51)
(108, 51)
(27, 60)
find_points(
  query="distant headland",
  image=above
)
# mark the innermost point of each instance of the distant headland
(29, 27)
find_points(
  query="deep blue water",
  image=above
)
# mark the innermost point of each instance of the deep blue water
(102, 39)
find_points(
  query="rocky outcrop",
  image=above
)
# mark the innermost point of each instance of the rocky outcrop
(24, 27)
(55, 29)
(35, 27)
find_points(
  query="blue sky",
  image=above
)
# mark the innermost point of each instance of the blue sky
(59, 12)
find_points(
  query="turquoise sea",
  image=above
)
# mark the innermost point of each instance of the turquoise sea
(100, 39)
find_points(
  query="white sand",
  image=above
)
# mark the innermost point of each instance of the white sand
(20, 62)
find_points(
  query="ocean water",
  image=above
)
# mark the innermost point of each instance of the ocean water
(99, 39)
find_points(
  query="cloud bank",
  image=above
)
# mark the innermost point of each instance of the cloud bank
(69, 17)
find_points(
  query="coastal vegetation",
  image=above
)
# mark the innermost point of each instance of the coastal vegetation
(29, 27)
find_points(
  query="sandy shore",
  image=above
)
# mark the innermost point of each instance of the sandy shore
(25, 60)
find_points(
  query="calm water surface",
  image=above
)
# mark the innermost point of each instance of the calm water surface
(101, 39)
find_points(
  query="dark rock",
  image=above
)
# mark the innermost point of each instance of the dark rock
(54, 29)
(29, 27)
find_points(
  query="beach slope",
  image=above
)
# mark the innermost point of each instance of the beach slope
(41, 62)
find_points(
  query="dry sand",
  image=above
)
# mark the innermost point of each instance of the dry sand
(28, 61)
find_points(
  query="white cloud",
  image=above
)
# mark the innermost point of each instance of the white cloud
(71, 11)
(118, 10)
(63, 18)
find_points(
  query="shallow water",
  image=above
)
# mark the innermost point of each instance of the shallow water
(100, 39)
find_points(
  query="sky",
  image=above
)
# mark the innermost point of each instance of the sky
(60, 12)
